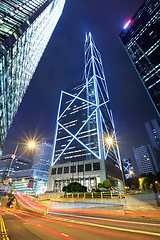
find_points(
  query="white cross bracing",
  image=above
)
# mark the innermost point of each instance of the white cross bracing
(97, 100)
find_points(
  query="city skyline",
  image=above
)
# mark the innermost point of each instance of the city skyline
(62, 64)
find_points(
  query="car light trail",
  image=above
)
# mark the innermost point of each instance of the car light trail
(131, 236)
(43, 227)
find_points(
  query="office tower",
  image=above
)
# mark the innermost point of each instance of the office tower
(146, 160)
(85, 147)
(153, 131)
(25, 29)
(141, 40)
(42, 156)
(127, 168)
(19, 163)
(31, 181)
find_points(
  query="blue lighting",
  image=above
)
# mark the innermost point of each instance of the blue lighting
(127, 24)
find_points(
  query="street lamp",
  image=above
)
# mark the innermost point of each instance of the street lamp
(31, 144)
(109, 141)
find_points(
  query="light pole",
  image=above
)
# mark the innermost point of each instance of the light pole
(109, 141)
(31, 144)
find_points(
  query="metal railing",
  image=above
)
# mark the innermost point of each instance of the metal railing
(93, 195)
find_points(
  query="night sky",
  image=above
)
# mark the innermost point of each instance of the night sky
(62, 65)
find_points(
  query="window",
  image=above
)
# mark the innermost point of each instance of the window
(66, 169)
(59, 170)
(87, 167)
(53, 171)
(73, 169)
(80, 168)
(96, 166)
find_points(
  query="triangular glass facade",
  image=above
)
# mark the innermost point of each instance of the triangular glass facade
(84, 121)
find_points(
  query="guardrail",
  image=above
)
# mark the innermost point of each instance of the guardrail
(85, 195)
(92, 195)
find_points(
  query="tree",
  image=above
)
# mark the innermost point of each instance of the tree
(132, 183)
(100, 185)
(107, 184)
(74, 187)
(146, 183)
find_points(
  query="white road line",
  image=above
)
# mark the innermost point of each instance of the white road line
(108, 219)
(65, 234)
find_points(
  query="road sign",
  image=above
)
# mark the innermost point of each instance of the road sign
(6, 182)
(3, 190)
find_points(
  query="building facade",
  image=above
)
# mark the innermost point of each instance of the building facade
(146, 160)
(25, 29)
(42, 156)
(85, 134)
(141, 40)
(31, 181)
(153, 131)
(127, 168)
(19, 163)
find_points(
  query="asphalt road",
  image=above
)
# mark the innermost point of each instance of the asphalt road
(22, 225)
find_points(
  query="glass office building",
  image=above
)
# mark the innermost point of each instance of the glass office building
(42, 156)
(141, 40)
(19, 163)
(25, 29)
(85, 147)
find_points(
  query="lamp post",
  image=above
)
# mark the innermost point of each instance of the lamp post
(31, 144)
(109, 141)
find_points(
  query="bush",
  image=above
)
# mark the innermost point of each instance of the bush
(107, 184)
(74, 187)
(100, 185)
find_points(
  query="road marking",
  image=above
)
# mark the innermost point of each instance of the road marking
(108, 227)
(101, 226)
(108, 219)
(65, 234)
(3, 230)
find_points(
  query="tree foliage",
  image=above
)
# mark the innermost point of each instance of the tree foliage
(74, 187)
(100, 185)
(132, 183)
(107, 184)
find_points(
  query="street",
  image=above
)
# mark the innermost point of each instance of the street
(23, 225)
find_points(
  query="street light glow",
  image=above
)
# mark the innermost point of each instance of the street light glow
(109, 141)
(31, 144)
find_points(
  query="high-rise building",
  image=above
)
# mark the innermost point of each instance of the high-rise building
(127, 168)
(153, 131)
(85, 147)
(42, 156)
(146, 160)
(19, 163)
(141, 40)
(25, 29)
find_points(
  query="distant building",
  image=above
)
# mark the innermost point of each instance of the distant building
(146, 160)
(31, 181)
(42, 156)
(25, 29)
(127, 168)
(85, 147)
(19, 163)
(141, 40)
(153, 131)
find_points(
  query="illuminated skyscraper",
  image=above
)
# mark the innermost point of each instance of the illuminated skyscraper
(25, 29)
(146, 160)
(141, 40)
(85, 145)
(42, 156)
